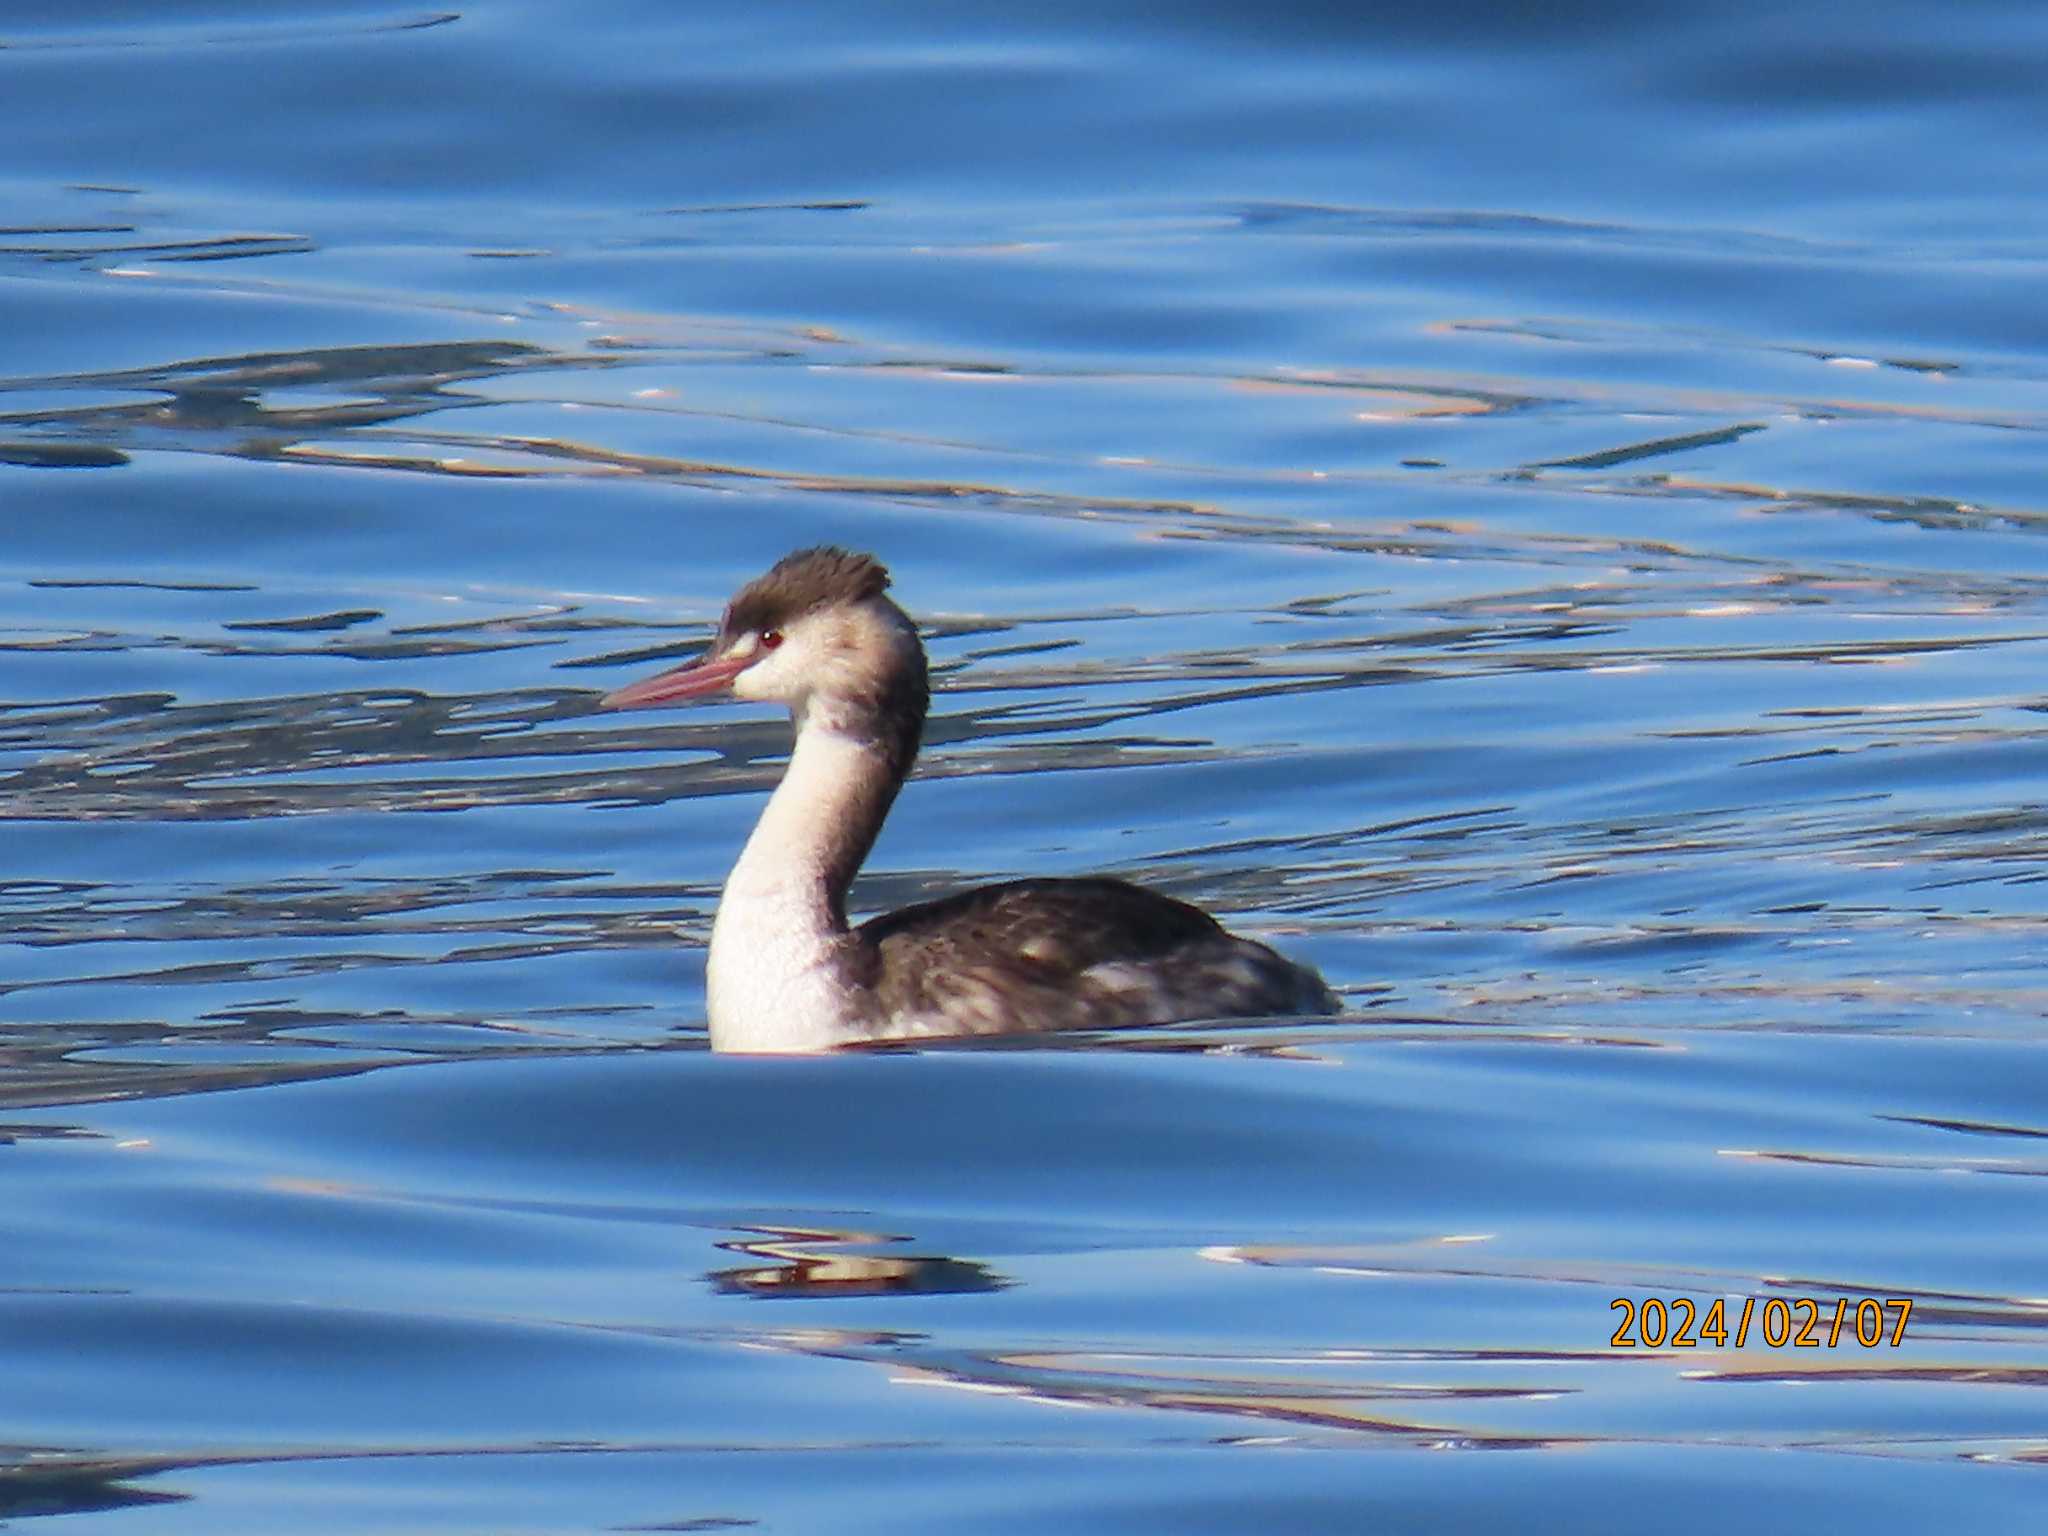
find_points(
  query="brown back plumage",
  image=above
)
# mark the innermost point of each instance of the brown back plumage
(800, 582)
(1071, 954)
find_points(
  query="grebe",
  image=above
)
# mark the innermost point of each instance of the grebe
(786, 972)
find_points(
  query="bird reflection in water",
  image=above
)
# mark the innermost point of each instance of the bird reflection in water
(800, 1262)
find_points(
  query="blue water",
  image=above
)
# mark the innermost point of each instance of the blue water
(1535, 510)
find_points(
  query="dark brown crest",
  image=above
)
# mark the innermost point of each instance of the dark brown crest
(799, 583)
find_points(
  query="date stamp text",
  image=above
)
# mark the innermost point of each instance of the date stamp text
(1800, 1322)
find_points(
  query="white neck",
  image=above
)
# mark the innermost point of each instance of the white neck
(778, 969)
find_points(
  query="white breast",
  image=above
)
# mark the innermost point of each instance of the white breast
(772, 977)
(771, 983)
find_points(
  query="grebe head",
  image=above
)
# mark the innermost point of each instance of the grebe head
(818, 635)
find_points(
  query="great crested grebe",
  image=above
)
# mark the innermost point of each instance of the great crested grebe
(786, 973)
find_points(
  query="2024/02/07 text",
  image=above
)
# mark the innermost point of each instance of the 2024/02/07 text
(1802, 1322)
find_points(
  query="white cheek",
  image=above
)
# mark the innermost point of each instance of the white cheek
(774, 678)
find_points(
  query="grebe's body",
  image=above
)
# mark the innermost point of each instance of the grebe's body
(787, 973)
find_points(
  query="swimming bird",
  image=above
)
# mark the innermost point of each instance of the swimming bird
(819, 635)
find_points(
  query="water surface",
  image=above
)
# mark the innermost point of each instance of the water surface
(1536, 514)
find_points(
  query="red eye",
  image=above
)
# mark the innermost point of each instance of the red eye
(770, 638)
